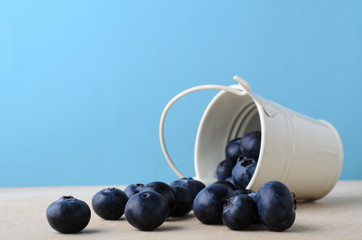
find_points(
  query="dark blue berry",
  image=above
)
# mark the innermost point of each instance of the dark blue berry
(224, 169)
(232, 150)
(239, 212)
(250, 145)
(194, 186)
(146, 210)
(132, 189)
(243, 171)
(276, 206)
(251, 194)
(68, 215)
(165, 190)
(184, 201)
(109, 203)
(208, 204)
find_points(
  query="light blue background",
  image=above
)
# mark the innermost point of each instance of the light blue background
(83, 83)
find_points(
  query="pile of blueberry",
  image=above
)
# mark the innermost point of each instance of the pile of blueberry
(226, 201)
(145, 207)
(220, 203)
(148, 206)
(241, 158)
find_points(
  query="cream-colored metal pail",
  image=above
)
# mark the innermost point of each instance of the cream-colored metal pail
(304, 153)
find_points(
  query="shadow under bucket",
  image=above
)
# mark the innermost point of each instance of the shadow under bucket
(304, 153)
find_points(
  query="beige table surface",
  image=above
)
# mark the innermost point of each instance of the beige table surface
(22, 216)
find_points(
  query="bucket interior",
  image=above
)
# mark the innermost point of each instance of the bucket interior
(228, 116)
(246, 121)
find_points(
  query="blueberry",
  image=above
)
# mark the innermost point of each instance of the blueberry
(250, 145)
(243, 171)
(194, 186)
(224, 169)
(232, 150)
(208, 204)
(68, 215)
(109, 203)
(276, 206)
(184, 201)
(239, 212)
(146, 210)
(132, 189)
(165, 190)
(251, 194)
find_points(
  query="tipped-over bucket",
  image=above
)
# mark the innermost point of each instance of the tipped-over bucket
(304, 153)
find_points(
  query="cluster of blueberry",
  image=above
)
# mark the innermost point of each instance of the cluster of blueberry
(226, 201)
(148, 206)
(237, 208)
(241, 158)
(145, 207)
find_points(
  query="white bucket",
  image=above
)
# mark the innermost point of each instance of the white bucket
(303, 153)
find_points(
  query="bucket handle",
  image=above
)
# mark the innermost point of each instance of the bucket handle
(245, 89)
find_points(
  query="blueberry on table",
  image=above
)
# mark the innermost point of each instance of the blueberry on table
(165, 190)
(276, 206)
(224, 169)
(194, 186)
(208, 204)
(239, 212)
(68, 215)
(243, 171)
(184, 201)
(232, 150)
(132, 189)
(109, 203)
(146, 210)
(250, 145)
